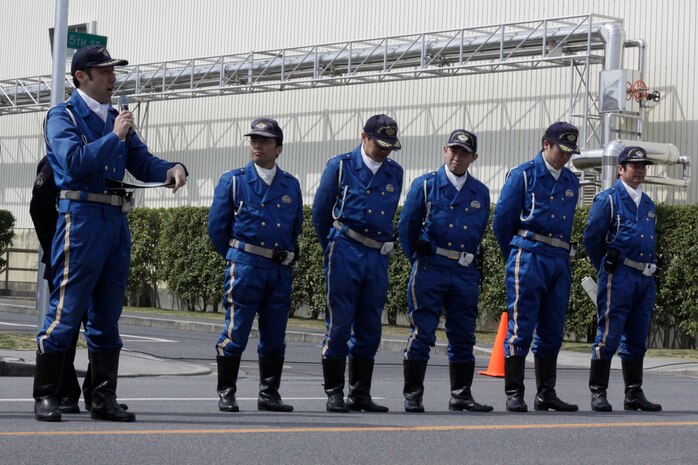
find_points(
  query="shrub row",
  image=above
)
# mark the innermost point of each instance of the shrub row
(171, 245)
(7, 222)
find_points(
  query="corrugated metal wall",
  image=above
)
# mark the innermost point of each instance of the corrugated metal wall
(508, 111)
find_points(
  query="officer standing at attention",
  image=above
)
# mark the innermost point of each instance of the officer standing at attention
(441, 227)
(620, 240)
(533, 223)
(89, 142)
(353, 214)
(254, 223)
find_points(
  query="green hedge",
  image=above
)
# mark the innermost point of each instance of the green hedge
(172, 245)
(7, 222)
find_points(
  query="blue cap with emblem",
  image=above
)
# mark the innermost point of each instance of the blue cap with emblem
(564, 135)
(93, 56)
(463, 138)
(266, 127)
(633, 154)
(382, 130)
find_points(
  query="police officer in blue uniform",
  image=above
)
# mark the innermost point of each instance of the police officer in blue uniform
(88, 142)
(441, 227)
(620, 239)
(353, 214)
(44, 214)
(533, 223)
(254, 223)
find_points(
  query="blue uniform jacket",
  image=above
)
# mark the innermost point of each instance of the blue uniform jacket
(361, 200)
(257, 214)
(85, 166)
(446, 218)
(626, 228)
(533, 200)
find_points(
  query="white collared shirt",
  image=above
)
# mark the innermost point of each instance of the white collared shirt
(457, 181)
(553, 171)
(101, 109)
(635, 194)
(266, 175)
(372, 164)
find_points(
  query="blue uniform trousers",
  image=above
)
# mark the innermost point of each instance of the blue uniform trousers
(90, 260)
(625, 303)
(251, 290)
(538, 291)
(433, 289)
(356, 285)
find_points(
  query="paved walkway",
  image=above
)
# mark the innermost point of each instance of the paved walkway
(21, 363)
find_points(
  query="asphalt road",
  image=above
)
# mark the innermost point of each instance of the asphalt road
(178, 421)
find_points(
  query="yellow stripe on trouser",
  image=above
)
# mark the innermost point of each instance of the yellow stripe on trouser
(327, 299)
(605, 317)
(229, 298)
(413, 295)
(516, 303)
(59, 309)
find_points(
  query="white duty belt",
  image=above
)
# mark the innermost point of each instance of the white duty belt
(463, 258)
(551, 241)
(283, 257)
(384, 247)
(125, 202)
(647, 269)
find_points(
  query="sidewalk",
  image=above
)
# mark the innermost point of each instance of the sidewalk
(135, 364)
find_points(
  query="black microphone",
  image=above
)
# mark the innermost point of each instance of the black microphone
(123, 106)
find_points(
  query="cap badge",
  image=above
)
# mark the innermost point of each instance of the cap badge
(261, 125)
(40, 179)
(286, 199)
(463, 137)
(390, 131)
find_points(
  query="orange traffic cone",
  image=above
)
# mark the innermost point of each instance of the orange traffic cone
(496, 366)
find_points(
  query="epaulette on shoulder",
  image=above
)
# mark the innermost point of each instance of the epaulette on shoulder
(237, 171)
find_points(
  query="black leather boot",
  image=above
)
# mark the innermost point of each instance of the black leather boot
(461, 375)
(69, 389)
(546, 377)
(414, 371)
(634, 397)
(269, 380)
(105, 369)
(47, 379)
(228, 368)
(333, 372)
(359, 397)
(598, 383)
(514, 373)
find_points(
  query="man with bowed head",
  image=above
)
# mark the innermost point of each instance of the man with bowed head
(353, 214)
(254, 223)
(441, 227)
(620, 239)
(88, 143)
(533, 223)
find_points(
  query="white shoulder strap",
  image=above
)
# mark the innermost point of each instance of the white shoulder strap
(75, 123)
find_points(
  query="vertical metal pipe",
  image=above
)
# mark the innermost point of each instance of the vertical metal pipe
(613, 36)
(60, 44)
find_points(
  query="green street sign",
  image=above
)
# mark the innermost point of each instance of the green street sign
(77, 40)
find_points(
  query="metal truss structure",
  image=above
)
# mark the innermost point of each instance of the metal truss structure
(573, 41)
